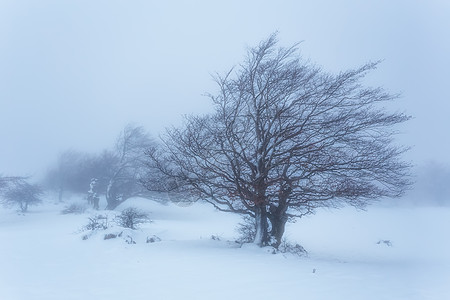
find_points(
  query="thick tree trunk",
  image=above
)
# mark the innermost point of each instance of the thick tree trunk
(278, 222)
(112, 205)
(112, 199)
(261, 236)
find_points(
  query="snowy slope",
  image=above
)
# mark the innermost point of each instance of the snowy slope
(43, 256)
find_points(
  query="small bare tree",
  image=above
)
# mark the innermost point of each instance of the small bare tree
(285, 139)
(129, 166)
(23, 194)
(131, 218)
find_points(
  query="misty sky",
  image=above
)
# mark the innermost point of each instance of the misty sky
(73, 73)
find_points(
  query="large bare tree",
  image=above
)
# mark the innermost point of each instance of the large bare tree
(286, 138)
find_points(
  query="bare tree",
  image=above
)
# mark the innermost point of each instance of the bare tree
(23, 194)
(118, 170)
(285, 139)
(68, 174)
(129, 166)
(6, 181)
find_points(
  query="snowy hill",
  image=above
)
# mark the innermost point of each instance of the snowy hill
(382, 253)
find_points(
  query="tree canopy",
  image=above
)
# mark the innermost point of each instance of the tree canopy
(286, 138)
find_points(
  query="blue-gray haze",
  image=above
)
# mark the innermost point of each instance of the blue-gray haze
(73, 73)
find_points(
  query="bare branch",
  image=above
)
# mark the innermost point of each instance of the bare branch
(287, 138)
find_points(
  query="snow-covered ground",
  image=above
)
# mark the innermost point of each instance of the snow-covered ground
(381, 253)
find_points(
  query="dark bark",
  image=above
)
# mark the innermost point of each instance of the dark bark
(288, 136)
(278, 224)
(112, 198)
(112, 205)
(60, 193)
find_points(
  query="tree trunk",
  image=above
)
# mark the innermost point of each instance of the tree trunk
(112, 205)
(261, 236)
(278, 222)
(24, 206)
(60, 193)
(111, 198)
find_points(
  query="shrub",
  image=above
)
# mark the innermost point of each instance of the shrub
(74, 208)
(109, 236)
(153, 239)
(97, 222)
(246, 230)
(385, 242)
(129, 240)
(215, 237)
(296, 249)
(132, 218)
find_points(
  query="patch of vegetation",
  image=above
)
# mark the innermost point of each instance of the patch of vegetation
(74, 208)
(246, 230)
(131, 218)
(296, 249)
(109, 236)
(385, 242)
(98, 222)
(153, 239)
(216, 237)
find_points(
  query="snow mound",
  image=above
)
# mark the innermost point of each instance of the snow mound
(190, 253)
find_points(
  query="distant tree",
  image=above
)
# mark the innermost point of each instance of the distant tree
(23, 194)
(129, 166)
(74, 171)
(103, 166)
(285, 139)
(118, 171)
(431, 185)
(67, 174)
(92, 197)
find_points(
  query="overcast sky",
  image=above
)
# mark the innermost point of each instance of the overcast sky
(73, 73)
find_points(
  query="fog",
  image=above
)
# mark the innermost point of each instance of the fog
(73, 73)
